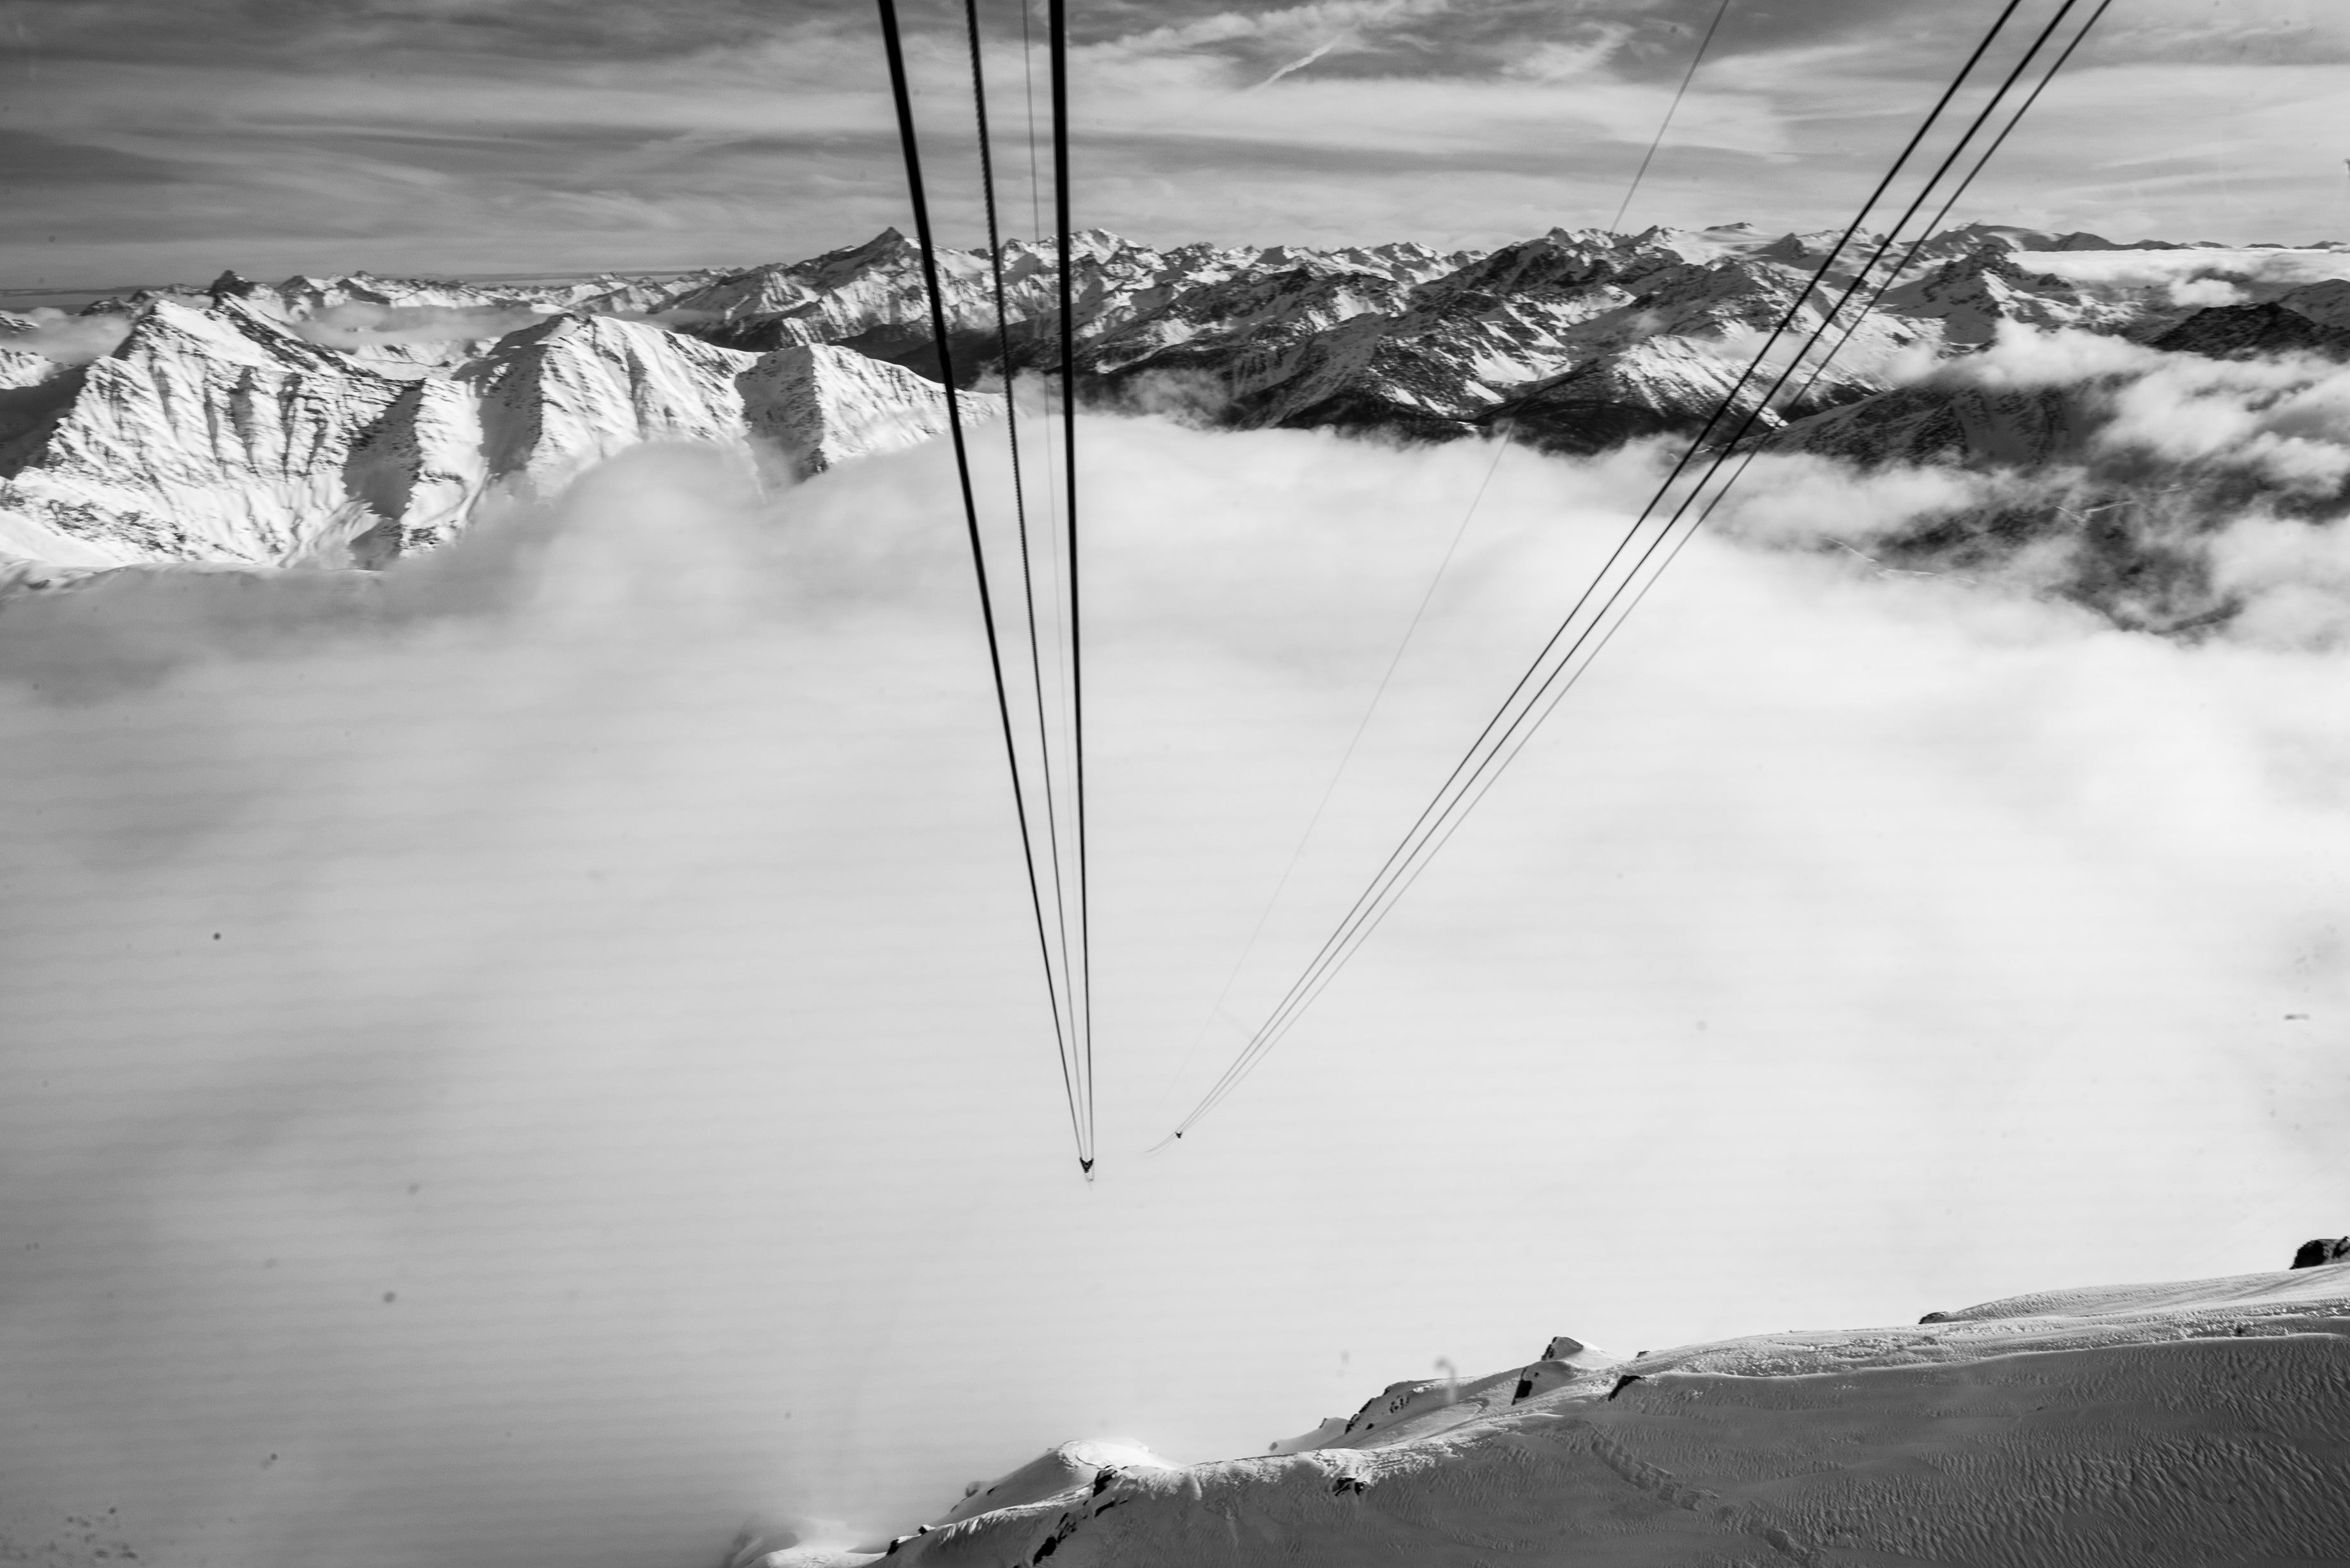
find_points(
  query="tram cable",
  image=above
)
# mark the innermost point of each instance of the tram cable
(900, 92)
(1615, 224)
(1933, 225)
(1501, 442)
(1057, 46)
(1505, 734)
(1019, 496)
(1908, 257)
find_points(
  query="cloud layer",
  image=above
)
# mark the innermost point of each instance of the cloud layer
(533, 1056)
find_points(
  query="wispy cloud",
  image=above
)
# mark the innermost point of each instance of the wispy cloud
(171, 140)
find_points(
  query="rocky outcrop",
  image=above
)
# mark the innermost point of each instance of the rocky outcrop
(2316, 1254)
(2242, 331)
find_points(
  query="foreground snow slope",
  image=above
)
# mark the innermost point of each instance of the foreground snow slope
(2136, 1425)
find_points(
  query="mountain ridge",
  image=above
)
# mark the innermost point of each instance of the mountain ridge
(349, 419)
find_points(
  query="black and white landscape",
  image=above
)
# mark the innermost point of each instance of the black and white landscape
(522, 1042)
(423, 691)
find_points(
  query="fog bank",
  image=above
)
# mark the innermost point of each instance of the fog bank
(534, 1056)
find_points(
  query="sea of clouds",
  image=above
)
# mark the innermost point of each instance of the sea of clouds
(536, 1055)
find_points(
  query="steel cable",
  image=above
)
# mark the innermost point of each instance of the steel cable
(1474, 772)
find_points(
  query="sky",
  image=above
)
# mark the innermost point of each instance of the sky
(538, 1058)
(158, 140)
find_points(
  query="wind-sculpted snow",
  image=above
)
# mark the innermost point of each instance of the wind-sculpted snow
(2131, 1425)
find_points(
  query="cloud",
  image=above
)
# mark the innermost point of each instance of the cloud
(68, 339)
(176, 140)
(357, 324)
(2191, 270)
(2284, 420)
(533, 1055)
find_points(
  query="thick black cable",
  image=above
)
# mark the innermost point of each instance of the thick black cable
(923, 237)
(1615, 224)
(1471, 764)
(1383, 897)
(1019, 483)
(1057, 43)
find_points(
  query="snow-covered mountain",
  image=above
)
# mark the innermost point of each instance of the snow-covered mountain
(353, 417)
(246, 432)
(2149, 1425)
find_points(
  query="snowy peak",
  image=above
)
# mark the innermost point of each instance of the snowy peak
(819, 406)
(225, 435)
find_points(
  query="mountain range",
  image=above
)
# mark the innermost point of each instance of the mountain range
(347, 420)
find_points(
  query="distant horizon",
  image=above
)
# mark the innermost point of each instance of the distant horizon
(152, 141)
(19, 298)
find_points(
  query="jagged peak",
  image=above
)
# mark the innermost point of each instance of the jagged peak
(233, 330)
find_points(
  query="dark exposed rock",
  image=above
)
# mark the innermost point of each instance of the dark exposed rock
(2321, 1251)
(1932, 423)
(2239, 331)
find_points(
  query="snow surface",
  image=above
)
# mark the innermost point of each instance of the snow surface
(2131, 1425)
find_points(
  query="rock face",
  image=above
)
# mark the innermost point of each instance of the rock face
(2318, 1254)
(2233, 331)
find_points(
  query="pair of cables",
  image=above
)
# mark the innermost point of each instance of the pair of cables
(1051, 814)
(1682, 502)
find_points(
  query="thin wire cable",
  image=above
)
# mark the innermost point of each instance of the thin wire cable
(1019, 488)
(1493, 467)
(903, 96)
(1382, 899)
(1924, 234)
(1511, 717)
(1615, 224)
(1459, 531)
(1057, 42)
(1934, 224)
(1554, 689)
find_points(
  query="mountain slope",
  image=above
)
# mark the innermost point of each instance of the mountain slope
(224, 435)
(2147, 1425)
